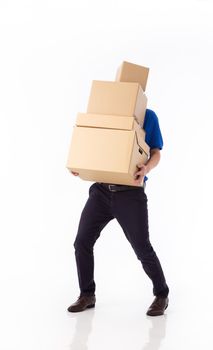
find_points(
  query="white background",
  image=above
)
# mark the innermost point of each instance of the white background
(50, 53)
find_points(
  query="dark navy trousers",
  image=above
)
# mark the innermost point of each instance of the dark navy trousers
(129, 208)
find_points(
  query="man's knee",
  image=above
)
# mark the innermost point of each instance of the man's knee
(79, 243)
(83, 243)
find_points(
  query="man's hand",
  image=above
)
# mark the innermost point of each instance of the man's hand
(74, 173)
(145, 169)
(140, 173)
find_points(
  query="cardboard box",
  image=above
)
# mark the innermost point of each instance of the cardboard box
(109, 122)
(129, 72)
(107, 155)
(117, 98)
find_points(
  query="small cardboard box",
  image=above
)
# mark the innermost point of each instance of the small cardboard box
(107, 155)
(130, 72)
(117, 98)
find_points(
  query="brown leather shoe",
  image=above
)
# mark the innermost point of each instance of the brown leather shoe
(158, 306)
(84, 302)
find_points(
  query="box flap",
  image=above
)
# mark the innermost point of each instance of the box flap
(105, 121)
(141, 142)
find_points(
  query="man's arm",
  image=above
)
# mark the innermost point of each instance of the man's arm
(144, 169)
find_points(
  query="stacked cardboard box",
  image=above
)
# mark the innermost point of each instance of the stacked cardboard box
(108, 141)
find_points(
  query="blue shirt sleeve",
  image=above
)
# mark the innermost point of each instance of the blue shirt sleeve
(153, 133)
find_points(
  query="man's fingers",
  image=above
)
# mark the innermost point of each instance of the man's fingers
(74, 173)
(140, 166)
(139, 173)
(138, 181)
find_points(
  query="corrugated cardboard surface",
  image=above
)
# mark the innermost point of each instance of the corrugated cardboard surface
(108, 121)
(117, 98)
(105, 121)
(113, 122)
(130, 72)
(105, 155)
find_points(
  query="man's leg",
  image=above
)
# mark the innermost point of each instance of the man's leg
(130, 209)
(95, 215)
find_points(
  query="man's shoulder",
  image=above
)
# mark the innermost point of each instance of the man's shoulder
(153, 133)
(150, 119)
(150, 114)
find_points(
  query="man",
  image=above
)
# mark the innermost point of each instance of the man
(128, 204)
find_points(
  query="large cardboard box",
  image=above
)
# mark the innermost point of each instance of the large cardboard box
(130, 72)
(107, 155)
(117, 98)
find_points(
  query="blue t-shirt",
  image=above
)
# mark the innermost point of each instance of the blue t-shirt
(153, 136)
(151, 126)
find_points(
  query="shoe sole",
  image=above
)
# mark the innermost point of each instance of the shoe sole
(158, 314)
(87, 307)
